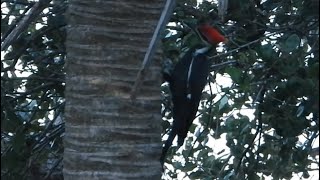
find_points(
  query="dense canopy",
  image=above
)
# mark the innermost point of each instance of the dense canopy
(259, 115)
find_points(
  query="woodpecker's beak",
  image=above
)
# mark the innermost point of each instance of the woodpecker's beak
(226, 41)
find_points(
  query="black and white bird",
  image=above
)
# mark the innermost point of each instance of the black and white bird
(186, 83)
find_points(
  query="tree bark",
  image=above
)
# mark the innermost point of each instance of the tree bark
(107, 136)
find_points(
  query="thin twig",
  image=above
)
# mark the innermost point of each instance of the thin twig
(236, 49)
(224, 166)
(242, 46)
(53, 168)
(221, 65)
(210, 112)
(166, 13)
(24, 23)
(259, 130)
(13, 25)
(259, 98)
(32, 91)
(245, 151)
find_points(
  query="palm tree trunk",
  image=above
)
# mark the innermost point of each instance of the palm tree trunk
(107, 136)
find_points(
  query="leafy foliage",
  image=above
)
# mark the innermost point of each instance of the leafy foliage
(32, 92)
(269, 113)
(269, 69)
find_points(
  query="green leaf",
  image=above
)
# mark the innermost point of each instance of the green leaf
(223, 102)
(11, 122)
(305, 47)
(253, 176)
(266, 52)
(197, 175)
(292, 43)
(192, 128)
(18, 142)
(208, 161)
(189, 167)
(180, 13)
(191, 40)
(300, 110)
(235, 74)
(177, 164)
(229, 175)
(245, 129)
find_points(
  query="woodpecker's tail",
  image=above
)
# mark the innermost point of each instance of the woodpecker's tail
(180, 140)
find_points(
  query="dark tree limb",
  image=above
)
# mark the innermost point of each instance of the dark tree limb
(24, 23)
(166, 13)
(259, 99)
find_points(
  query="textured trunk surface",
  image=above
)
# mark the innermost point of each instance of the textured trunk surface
(108, 136)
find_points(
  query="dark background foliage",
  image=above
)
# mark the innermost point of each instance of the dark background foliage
(268, 114)
(32, 90)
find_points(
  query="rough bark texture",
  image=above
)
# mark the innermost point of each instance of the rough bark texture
(108, 136)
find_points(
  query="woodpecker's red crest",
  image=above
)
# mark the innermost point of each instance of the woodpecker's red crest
(210, 34)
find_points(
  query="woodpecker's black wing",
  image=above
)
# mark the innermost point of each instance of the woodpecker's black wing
(178, 88)
(179, 91)
(186, 84)
(196, 82)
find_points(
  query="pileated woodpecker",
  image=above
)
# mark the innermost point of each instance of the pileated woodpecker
(186, 83)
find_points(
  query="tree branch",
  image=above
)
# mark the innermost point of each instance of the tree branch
(166, 13)
(236, 49)
(13, 25)
(260, 98)
(24, 23)
(221, 65)
(242, 46)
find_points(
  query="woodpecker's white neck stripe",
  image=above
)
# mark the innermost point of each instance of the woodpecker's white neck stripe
(201, 51)
(189, 71)
(197, 52)
(189, 74)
